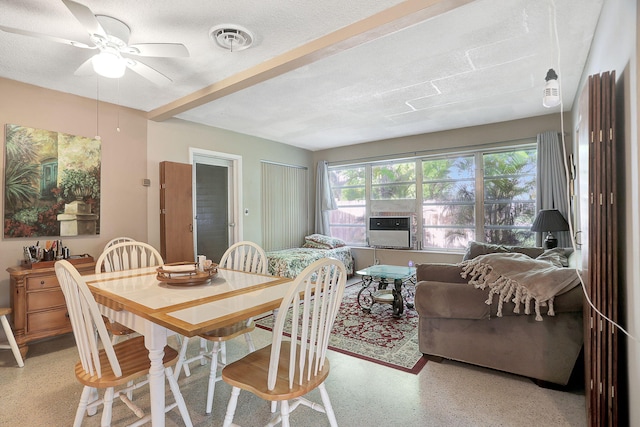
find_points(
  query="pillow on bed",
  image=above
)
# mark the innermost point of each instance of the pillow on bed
(320, 241)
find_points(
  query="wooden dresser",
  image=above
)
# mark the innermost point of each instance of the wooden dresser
(39, 309)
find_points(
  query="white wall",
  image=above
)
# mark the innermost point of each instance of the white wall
(170, 140)
(448, 140)
(615, 48)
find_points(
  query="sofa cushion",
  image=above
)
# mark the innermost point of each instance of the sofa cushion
(475, 249)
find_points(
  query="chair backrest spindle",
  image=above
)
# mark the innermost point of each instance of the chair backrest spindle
(127, 256)
(314, 299)
(245, 256)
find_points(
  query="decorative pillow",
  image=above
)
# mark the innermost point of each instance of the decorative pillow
(320, 241)
(313, 245)
(556, 256)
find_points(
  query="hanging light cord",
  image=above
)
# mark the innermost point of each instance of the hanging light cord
(118, 111)
(566, 171)
(98, 108)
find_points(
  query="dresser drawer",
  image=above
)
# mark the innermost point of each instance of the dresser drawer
(42, 282)
(48, 320)
(43, 300)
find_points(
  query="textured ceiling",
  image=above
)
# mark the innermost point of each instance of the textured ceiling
(321, 74)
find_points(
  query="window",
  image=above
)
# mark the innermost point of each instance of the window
(484, 195)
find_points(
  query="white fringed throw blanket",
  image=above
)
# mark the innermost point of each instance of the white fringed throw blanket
(519, 278)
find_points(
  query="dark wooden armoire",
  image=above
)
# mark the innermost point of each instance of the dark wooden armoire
(601, 335)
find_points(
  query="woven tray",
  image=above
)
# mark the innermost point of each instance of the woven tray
(186, 276)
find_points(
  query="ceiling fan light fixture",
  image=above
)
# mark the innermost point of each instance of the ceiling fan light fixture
(551, 94)
(109, 64)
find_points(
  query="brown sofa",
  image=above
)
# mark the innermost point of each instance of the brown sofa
(456, 323)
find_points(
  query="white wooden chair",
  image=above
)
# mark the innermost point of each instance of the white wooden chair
(117, 240)
(128, 255)
(288, 369)
(103, 365)
(13, 345)
(245, 256)
(125, 255)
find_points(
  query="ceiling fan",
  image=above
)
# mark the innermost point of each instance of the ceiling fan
(110, 37)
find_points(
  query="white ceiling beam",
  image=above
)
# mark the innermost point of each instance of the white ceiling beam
(396, 18)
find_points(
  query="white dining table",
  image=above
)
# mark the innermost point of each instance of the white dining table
(138, 300)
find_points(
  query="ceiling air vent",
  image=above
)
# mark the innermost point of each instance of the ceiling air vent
(231, 37)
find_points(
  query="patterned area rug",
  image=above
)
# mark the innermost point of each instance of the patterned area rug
(376, 336)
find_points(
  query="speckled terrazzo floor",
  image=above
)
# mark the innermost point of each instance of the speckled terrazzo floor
(45, 393)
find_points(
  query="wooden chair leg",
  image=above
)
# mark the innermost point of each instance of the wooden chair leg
(107, 406)
(213, 376)
(328, 409)
(13, 345)
(181, 357)
(177, 394)
(284, 413)
(231, 407)
(82, 405)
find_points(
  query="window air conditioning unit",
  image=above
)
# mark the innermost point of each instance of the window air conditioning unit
(390, 232)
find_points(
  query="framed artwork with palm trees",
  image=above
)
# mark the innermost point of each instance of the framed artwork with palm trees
(51, 183)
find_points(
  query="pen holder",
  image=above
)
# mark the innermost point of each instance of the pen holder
(47, 255)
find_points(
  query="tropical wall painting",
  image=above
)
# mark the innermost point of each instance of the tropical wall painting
(51, 183)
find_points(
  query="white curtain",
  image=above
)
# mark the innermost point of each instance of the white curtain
(552, 182)
(324, 199)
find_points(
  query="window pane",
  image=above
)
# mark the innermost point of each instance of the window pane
(393, 191)
(348, 194)
(448, 209)
(347, 176)
(511, 237)
(348, 223)
(447, 238)
(449, 215)
(509, 197)
(457, 168)
(348, 188)
(393, 181)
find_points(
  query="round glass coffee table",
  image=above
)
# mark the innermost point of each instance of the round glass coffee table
(375, 282)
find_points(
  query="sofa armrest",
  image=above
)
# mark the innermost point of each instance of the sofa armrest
(439, 272)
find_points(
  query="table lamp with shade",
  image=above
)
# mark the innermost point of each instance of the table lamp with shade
(549, 220)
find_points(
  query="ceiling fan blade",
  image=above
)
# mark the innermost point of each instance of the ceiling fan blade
(148, 73)
(86, 69)
(46, 37)
(86, 17)
(166, 50)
